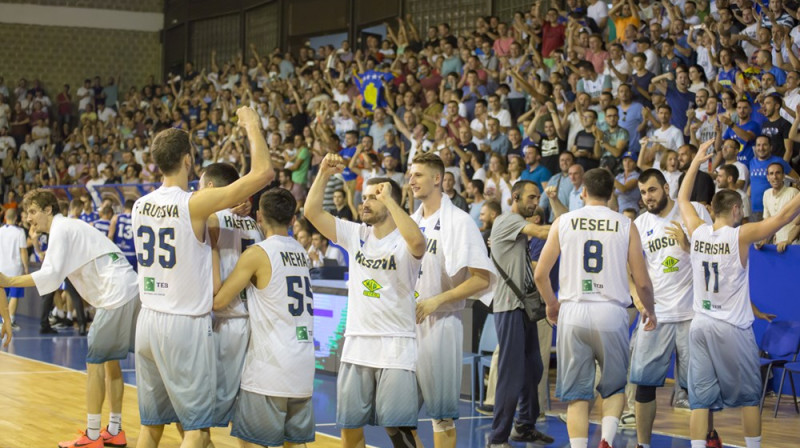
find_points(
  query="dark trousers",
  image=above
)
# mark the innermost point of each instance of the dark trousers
(519, 370)
(77, 303)
(47, 306)
(516, 107)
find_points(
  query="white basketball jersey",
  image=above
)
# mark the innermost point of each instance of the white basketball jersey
(175, 271)
(668, 265)
(433, 278)
(594, 256)
(12, 239)
(381, 305)
(721, 283)
(280, 356)
(236, 233)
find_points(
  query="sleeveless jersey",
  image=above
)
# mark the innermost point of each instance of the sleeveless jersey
(668, 265)
(175, 270)
(123, 235)
(236, 233)
(594, 256)
(433, 278)
(280, 356)
(101, 225)
(721, 283)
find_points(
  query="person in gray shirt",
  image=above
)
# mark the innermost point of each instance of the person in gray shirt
(520, 364)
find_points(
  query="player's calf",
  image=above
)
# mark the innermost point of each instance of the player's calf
(402, 437)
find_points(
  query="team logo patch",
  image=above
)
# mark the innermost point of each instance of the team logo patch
(416, 295)
(372, 286)
(706, 304)
(649, 232)
(149, 284)
(113, 256)
(587, 286)
(302, 333)
(670, 265)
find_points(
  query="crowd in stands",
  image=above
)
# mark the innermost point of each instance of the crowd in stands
(543, 95)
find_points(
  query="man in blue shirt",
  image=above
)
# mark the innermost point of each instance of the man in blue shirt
(758, 174)
(744, 132)
(679, 98)
(347, 153)
(534, 171)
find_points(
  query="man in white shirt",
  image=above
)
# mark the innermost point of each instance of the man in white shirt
(105, 279)
(320, 250)
(30, 147)
(665, 137)
(377, 383)
(598, 11)
(496, 111)
(13, 258)
(85, 95)
(775, 199)
(105, 113)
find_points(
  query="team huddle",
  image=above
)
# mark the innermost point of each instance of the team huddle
(219, 310)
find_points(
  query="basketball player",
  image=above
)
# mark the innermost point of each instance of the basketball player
(99, 273)
(456, 266)
(120, 230)
(13, 259)
(723, 355)
(274, 405)
(377, 383)
(666, 251)
(102, 224)
(174, 346)
(597, 247)
(230, 235)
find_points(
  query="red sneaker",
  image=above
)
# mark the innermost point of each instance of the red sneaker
(604, 444)
(82, 442)
(713, 440)
(115, 441)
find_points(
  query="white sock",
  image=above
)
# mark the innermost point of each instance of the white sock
(93, 426)
(578, 443)
(13, 319)
(698, 444)
(644, 445)
(609, 429)
(114, 423)
(753, 442)
(60, 313)
(69, 315)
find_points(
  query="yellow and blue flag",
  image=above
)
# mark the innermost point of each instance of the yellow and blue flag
(371, 88)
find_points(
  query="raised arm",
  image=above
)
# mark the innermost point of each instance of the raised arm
(319, 218)
(207, 201)
(688, 213)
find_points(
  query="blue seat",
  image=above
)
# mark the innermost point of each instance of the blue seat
(487, 344)
(792, 368)
(779, 346)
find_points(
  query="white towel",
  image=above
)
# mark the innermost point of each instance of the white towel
(72, 243)
(463, 246)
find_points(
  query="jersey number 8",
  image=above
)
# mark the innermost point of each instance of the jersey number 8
(166, 244)
(593, 256)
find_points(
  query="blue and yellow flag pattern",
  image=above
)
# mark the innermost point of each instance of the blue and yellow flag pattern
(371, 88)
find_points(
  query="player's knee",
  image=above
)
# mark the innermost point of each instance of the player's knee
(443, 425)
(402, 437)
(645, 394)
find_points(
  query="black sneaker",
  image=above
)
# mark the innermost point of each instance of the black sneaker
(529, 434)
(82, 330)
(47, 330)
(485, 409)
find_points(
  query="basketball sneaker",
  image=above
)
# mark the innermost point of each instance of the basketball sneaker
(603, 444)
(115, 441)
(713, 440)
(82, 442)
(529, 433)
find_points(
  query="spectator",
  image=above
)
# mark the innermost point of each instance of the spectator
(727, 177)
(534, 171)
(476, 200)
(774, 200)
(758, 169)
(321, 250)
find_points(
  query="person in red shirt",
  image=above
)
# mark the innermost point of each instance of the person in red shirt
(553, 33)
(64, 101)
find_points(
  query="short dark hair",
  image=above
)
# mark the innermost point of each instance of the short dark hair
(730, 170)
(778, 164)
(652, 173)
(478, 185)
(724, 200)
(42, 198)
(277, 206)
(221, 174)
(169, 147)
(519, 186)
(494, 205)
(599, 183)
(397, 193)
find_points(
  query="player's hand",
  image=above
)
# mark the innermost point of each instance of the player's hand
(332, 164)
(765, 316)
(242, 209)
(782, 246)
(551, 192)
(6, 333)
(676, 233)
(248, 117)
(552, 313)
(426, 307)
(702, 153)
(648, 319)
(384, 192)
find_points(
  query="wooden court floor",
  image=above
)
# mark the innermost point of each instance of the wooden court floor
(42, 404)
